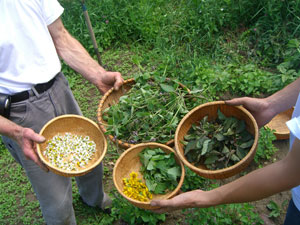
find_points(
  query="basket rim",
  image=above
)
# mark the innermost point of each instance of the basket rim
(102, 123)
(227, 169)
(66, 172)
(171, 194)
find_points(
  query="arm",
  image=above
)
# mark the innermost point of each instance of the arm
(75, 55)
(261, 183)
(25, 137)
(265, 109)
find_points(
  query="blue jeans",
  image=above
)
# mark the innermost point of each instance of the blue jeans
(54, 192)
(292, 215)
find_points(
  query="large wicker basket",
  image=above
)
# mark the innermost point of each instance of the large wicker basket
(210, 109)
(111, 98)
(129, 162)
(77, 125)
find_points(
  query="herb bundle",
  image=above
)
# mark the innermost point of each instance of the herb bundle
(217, 144)
(160, 170)
(149, 111)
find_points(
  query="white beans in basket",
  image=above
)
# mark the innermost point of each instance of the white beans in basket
(69, 151)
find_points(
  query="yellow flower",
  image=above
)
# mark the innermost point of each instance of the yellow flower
(135, 188)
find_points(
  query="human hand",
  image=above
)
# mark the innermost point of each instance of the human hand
(191, 199)
(258, 107)
(108, 80)
(27, 140)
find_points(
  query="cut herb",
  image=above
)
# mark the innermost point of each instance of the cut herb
(160, 170)
(217, 144)
(150, 111)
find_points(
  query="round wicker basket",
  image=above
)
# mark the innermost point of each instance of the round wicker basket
(111, 98)
(278, 124)
(129, 162)
(77, 125)
(210, 109)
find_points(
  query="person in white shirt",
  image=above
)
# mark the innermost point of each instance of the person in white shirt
(33, 90)
(277, 177)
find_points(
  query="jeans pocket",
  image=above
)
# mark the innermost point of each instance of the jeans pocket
(18, 112)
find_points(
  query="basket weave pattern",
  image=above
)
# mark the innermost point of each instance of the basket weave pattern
(111, 98)
(278, 124)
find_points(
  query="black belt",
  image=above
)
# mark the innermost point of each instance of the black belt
(24, 95)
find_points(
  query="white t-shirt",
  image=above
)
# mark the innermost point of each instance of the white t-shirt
(27, 53)
(294, 127)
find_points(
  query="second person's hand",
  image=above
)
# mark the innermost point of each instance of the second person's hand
(258, 107)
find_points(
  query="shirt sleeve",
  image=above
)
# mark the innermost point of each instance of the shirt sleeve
(52, 10)
(294, 126)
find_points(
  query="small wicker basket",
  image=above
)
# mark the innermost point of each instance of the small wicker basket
(129, 162)
(77, 125)
(210, 109)
(278, 124)
(111, 98)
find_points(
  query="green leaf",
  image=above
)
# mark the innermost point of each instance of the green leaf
(229, 132)
(151, 165)
(151, 185)
(200, 141)
(145, 218)
(219, 137)
(241, 126)
(162, 165)
(189, 137)
(145, 158)
(247, 144)
(205, 147)
(160, 188)
(174, 173)
(225, 149)
(234, 158)
(167, 88)
(190, 146)
(221, 116)
(241, 153)
(210, 160)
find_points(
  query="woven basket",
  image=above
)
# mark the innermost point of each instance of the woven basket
(111, 98)
(210, 109)
(77, 125)
(129, 162)
(278, 124)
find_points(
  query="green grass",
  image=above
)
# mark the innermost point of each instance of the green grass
(224, 48)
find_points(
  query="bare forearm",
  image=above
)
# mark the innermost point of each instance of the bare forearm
(74, 54)
(9, 128)
(254, 186)
(285, 98)
(275, 178)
